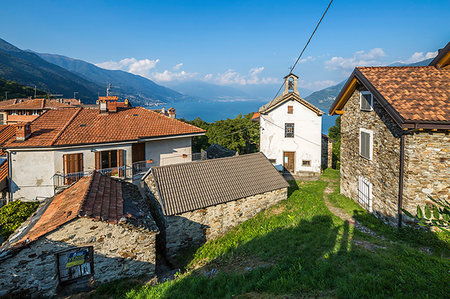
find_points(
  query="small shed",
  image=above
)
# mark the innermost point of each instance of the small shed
(199, 201)
(97, 230)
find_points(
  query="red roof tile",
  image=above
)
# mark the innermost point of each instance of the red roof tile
(34, 104)
(97, 196)
(416, 93)
(87, 126)
(4, 170)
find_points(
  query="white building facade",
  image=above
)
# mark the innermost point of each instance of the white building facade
(290, 131)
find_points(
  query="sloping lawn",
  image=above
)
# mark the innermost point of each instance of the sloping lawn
(298, 248)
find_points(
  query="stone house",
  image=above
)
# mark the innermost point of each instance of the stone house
(97, 230)
(327, 151)
(63, 145)
(24, 110)
(199, 201)
(395, 141)
(291, 131)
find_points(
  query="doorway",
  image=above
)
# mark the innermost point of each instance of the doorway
(289, 161)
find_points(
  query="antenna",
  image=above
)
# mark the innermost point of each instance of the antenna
(75, 94)
(56, 95)
(35, 91)
(108, 89)
(6, 95)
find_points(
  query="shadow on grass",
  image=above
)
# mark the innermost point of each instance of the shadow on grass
(314, 258)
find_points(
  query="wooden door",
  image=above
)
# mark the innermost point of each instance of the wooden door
(289, 161)
(73, 167)
(138, 152)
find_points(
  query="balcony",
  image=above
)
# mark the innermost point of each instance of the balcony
(136, 170)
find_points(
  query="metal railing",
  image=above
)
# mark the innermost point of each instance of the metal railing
(140, 167)
(61, 180)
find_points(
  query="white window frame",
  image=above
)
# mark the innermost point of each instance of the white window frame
(35, 112)
(14, 112)
(361, 98)
(370, 132)
(363, 182)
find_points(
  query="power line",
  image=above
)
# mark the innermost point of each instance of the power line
(304, 48)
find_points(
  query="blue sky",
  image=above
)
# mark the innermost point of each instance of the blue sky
(235, 43)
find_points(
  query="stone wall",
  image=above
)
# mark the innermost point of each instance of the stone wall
(383, 170)
(327, 152)
(119, 251)
(427, 168)
(196, 227)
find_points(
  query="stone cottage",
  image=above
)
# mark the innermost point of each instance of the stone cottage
(63, 145)
(291, 131)
(98, 229)
(199, 201)
(395, 142)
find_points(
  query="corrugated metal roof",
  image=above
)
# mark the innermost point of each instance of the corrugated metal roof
(195, 185)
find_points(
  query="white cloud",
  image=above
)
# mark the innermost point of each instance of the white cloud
(309, 58)
(168, 76)
(316, 85)
(178, 66)
(419, 56)
(359, 58)
(132, 65)
(231, 77)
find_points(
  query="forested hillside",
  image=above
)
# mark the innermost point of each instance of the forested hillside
(13, 90)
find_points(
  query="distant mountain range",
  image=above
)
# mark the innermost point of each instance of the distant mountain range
(29, 69)
(138, 89)
(64, 75)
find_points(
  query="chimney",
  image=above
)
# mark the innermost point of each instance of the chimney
(171, 112)
(112, 106)
(23, 131)
(103, 108)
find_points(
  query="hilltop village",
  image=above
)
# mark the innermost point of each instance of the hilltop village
(118, 191)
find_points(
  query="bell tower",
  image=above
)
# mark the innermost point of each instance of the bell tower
(290, 84)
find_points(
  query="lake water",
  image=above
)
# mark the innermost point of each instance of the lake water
(216, 110)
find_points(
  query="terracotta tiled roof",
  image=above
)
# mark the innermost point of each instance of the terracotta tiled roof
(196, 185)
(33, 104)
(416, 93)
(286, 97)
(96, 196)
(6, 132)
(88, 126)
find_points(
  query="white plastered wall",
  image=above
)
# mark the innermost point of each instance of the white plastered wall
(307, 139)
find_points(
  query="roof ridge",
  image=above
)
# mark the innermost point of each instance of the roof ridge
(65, 126)
(43, 103)
(171, 118)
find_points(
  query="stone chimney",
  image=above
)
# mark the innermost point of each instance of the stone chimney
(290, 84)
(108, 104)
(23, 131)
(171, 111)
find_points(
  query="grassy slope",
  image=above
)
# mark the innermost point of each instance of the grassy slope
(301, 249)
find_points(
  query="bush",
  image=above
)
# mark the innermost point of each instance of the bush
(14, 214)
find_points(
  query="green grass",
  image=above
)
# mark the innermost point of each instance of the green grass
(298, 248)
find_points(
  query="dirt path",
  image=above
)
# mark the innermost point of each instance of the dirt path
(344, 215)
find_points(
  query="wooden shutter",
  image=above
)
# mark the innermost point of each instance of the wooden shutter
(120, 162)
(365, 145)
(98, 161)
(290, 109)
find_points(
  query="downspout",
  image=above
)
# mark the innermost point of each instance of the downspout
(401, 171)
(400, 179)
(8, 177)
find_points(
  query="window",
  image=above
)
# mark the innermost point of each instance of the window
(366, 143)
(365, 193)
(35, 112)
(306, 163)
(74, 264)
(14, 112)
(290, 109)
(366, 100)
(289, 130)
(110, 162)
(109, 159)
(73, 167)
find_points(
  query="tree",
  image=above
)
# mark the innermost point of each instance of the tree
(239, 134)
(334, 132)
(433, 215)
